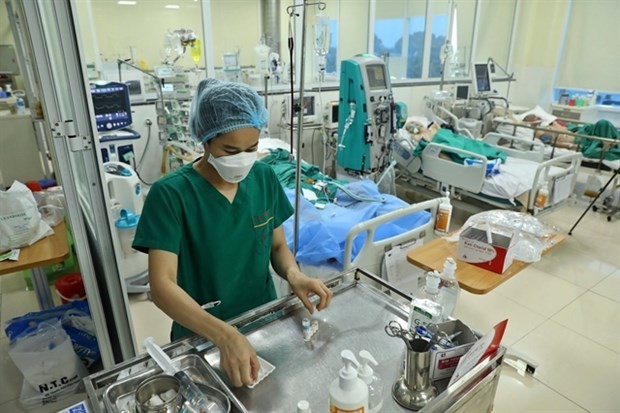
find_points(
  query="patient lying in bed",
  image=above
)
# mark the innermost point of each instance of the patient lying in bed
(559, 140)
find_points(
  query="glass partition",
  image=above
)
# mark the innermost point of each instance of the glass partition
(399, 32)
(141, 32)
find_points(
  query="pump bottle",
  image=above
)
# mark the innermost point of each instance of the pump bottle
(348, 393)
(425, 306)
(373, 380)
(444, 215)
(449, 289)
(542, 196)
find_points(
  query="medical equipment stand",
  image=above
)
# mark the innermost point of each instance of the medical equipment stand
(291, 11)
(595, 199)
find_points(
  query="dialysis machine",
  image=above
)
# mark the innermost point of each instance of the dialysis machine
(366, 114)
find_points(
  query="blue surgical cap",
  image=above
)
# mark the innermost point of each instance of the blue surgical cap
(221, 107)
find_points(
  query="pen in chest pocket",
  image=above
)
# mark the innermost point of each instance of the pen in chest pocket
(211, 304)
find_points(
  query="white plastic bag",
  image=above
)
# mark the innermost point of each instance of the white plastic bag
(20, 221)
(593, 186)
(49, 364)
(52, 206)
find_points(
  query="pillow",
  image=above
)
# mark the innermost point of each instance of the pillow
(546, 117)
(420, 119)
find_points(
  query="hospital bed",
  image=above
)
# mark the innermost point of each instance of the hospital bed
(515, 126)
(357, 229)
(514, 187)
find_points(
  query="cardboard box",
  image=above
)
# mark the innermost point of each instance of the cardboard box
(475, 248)
(444, 361)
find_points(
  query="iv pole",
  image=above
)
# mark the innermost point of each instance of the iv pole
(291, 11)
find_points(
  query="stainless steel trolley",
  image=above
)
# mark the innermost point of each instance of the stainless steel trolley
(362, 305)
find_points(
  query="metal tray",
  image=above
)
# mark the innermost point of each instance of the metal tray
(119, 397)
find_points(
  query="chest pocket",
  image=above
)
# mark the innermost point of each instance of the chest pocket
(263, 231)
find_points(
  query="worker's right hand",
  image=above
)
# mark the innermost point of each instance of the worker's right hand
(238, 358)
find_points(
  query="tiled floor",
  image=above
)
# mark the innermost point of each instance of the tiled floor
(564, 315)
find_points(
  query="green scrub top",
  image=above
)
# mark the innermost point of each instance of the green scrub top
(223, 248)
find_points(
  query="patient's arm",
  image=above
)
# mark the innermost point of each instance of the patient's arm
(559, 140)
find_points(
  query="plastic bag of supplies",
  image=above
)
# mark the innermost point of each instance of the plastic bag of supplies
(75, 319)
(20, 221)
(50, 367)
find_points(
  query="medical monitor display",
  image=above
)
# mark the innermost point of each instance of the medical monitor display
(462, 92)
(376, 77)
(482, 78)
(111, 104)
(308, 109)
(334, 114)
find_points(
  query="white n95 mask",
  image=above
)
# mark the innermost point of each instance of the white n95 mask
(234, 168)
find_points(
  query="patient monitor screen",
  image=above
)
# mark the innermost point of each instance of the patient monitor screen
(483, 78)
(111, 104)
(462, 92)
(376, 77)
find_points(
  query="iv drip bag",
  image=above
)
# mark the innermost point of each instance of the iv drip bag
(321, 34)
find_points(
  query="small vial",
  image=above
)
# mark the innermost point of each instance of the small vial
(303, 406)
(315, 327)
(307, 329)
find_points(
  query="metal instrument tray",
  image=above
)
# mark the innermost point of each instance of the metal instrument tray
(119, 397)
(113, 390)
(355, 320)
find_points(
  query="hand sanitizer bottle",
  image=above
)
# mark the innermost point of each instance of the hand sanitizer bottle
(425, 306)
(449, 289)
(373, 380)
(348, 393)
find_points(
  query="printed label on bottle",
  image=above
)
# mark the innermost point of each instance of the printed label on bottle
(335, 409)
(442, 221)
(421, 317)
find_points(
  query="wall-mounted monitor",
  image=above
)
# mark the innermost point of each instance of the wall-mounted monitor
(482, 79)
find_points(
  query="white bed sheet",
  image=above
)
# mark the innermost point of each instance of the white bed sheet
(516, 177)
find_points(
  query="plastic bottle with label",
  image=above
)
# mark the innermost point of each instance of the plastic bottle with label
(449, 289)
(348, 393)
(20, 106)
(426, 307)
(373, 380)
(444, 215)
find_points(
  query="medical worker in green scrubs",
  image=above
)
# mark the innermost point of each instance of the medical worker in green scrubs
(212, 228)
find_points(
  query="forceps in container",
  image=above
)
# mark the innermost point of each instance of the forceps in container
(393, 329)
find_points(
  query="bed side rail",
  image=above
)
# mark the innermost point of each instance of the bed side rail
(563, 181)
(372, 251)
(470, 178)
(555, 131)
(518, 147)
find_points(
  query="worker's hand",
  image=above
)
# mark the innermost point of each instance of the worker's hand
(238, 358)
(303, 286)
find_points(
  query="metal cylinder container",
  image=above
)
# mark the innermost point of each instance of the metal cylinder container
(158, 385)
